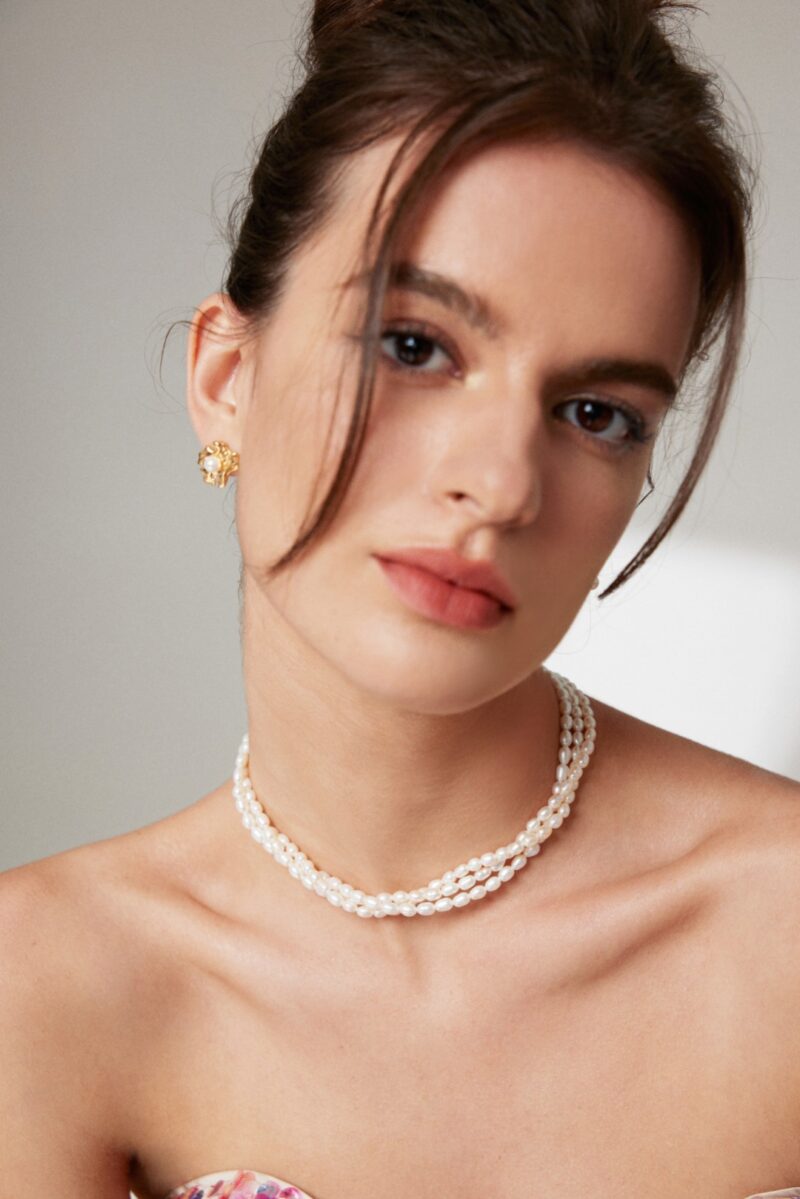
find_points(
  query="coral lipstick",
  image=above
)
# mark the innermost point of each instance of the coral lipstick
(442, 599)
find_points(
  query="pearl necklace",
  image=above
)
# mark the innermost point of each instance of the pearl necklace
(470, 881)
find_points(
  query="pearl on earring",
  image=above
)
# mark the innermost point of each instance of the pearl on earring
(218, 462)
(595, 584)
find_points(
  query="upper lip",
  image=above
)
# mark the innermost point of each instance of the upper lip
(466, 572)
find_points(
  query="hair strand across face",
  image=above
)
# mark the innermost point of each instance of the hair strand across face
(460, 75)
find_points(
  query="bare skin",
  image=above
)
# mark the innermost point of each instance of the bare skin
(622, 1015)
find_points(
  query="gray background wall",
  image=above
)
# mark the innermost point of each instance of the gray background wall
(121, 697)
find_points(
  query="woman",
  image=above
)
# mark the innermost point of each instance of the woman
(484, 247)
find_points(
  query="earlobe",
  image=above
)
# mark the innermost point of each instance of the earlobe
(213, 357)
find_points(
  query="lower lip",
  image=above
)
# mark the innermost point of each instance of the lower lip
(433, 596)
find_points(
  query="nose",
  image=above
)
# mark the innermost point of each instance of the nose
(496, 472)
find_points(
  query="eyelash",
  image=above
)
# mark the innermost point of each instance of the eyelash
(636, 433)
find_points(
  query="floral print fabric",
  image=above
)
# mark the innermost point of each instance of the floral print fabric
(247, 1184)
(237, 1184)
(792, 1193)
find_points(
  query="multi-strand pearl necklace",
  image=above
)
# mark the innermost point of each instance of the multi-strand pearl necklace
(470, 881)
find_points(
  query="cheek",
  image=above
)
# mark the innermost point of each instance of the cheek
(292, 442)
(587, 503)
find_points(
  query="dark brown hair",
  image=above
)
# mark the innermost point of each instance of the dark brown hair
(456, 75)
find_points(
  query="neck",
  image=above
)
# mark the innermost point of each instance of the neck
(379, 793)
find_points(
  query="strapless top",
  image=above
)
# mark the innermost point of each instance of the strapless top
(238, 1184)
(249, 1184)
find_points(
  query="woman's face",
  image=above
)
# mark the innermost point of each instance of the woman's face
(517, 431)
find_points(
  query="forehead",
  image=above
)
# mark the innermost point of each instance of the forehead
(560, 241)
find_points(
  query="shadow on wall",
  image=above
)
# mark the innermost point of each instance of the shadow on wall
(728, 678)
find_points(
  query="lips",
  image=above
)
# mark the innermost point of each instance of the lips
(465, 572)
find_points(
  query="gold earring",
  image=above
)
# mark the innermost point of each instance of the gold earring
(218, 462)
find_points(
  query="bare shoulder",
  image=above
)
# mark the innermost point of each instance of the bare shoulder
(724, 790)
(52, 992)
(87, 964)
(737, 824)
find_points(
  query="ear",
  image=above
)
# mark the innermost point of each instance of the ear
(213, 356)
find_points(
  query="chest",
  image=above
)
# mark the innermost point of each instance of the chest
(645, 1064)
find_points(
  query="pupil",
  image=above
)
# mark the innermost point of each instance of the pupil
(595, 417)
(412, 348)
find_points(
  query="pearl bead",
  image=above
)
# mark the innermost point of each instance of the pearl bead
(470, 881)
(211, 464)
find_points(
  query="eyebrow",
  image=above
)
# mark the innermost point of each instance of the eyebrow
(650, 375)
(408, 276)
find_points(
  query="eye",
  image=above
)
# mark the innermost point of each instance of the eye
(601, 420)
(414, 348)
